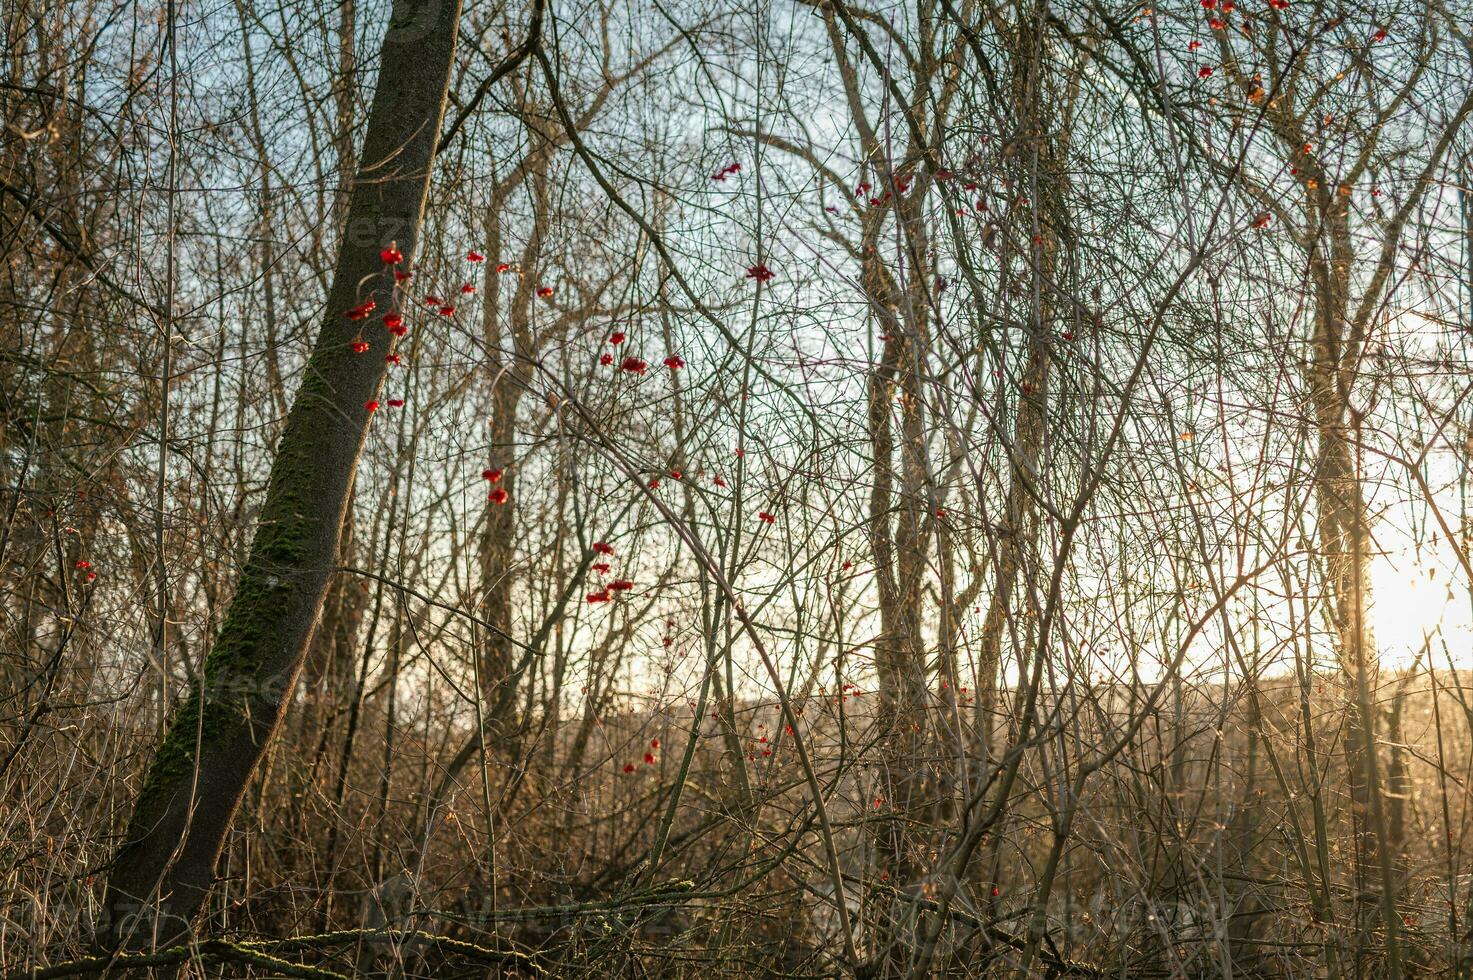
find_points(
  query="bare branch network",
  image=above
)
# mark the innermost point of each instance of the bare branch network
(587, 488)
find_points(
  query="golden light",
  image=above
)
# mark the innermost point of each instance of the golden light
(1415, 599)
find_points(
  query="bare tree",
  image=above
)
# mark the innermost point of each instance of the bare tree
(165, 867)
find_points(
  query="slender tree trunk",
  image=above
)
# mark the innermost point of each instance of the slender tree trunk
(899, 533)
(1241, 837)
(497, 545)
(512, 342)
(165, 865)
(1041, 150)
(1344, 541)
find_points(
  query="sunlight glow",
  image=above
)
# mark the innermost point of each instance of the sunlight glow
(1411, 604)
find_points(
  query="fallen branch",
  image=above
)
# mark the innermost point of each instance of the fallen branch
(254, 953)
(209, 951)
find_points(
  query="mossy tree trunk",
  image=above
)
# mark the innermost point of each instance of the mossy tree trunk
(165, 865)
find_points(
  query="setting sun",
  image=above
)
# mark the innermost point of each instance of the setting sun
(1414, 610)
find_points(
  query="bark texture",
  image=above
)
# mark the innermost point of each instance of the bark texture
(165, 866)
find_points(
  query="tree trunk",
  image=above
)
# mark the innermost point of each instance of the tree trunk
(1041, 155)
(165, 866)
(1344, 541)
(899, 533)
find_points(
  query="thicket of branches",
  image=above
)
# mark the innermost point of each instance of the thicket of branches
(588, 487)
